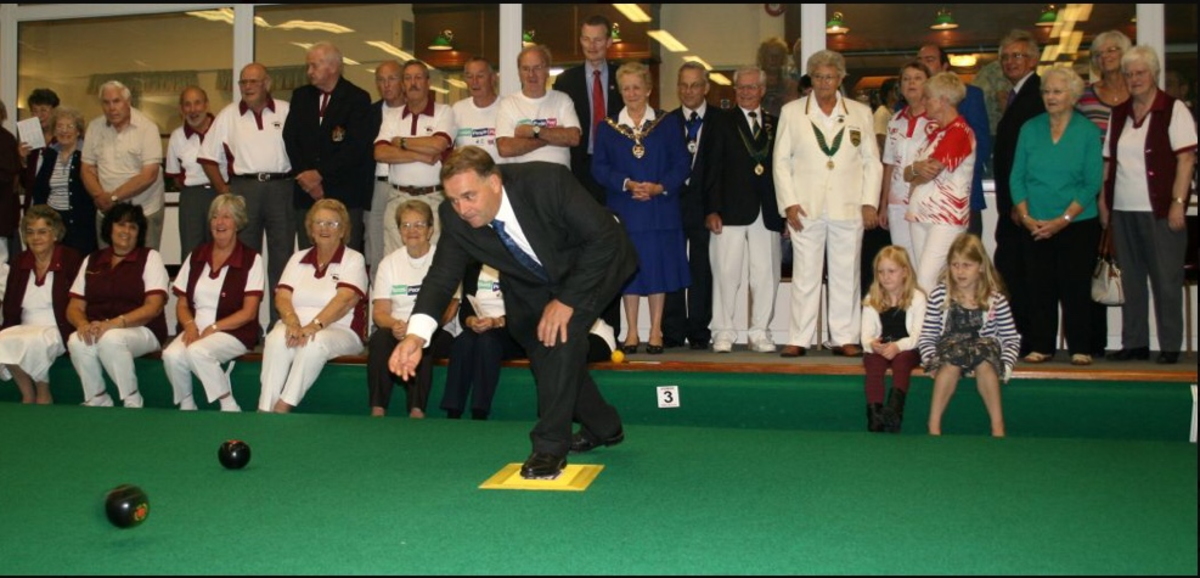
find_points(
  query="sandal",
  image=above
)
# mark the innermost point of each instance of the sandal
(1035, 357)
(1081, 359)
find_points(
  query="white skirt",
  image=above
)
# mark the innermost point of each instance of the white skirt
(33, 348)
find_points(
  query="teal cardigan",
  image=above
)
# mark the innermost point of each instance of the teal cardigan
(1049, 176)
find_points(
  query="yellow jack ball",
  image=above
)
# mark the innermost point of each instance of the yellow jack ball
(618, 356)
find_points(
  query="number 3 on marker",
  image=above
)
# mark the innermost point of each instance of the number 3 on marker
(668, 396)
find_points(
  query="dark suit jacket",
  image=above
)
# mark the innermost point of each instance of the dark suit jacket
(585, 251)
(341, 148)
(733, 189)
(575, 83)
(1027, 104)
(692, 198)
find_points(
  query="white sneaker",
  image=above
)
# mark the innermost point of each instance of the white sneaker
(722, 346)
(102, 400)
(764, 345)
(188, 404)
(134, 401)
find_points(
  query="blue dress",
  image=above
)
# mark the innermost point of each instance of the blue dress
(654, 226)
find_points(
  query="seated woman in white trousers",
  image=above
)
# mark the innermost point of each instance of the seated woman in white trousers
(219, 288)
(117, 308)
(321, 299)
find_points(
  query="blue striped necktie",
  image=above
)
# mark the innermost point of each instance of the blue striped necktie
(517, 252)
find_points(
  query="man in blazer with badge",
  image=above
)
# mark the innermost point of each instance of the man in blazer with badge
(687, 313)
(562, 257)
(329, 138)
(743, 214)
(1018, 60)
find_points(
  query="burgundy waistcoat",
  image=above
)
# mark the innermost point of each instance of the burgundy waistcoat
(233, 291)
(1160, 159)
(114, 291)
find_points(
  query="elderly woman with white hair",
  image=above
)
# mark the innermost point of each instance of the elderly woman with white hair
(827, 182)
(1149, 154)
(1056, 173)
(219, 287)
(939, 206)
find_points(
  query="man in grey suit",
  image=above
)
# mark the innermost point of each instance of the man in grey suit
(562, 257)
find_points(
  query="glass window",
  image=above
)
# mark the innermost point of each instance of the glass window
(368, 34)
(1180, 65)
(156, 56)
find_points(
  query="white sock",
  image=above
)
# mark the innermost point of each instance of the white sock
(188, 404)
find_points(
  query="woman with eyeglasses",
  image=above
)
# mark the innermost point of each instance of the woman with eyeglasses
(59, 184)
(322, 309)
(397, 284)
(1149, 155)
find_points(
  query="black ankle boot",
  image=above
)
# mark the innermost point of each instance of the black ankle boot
(875, 417)
(893, 413)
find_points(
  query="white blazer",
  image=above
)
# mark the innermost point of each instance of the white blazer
(802, 175)
(872, 327)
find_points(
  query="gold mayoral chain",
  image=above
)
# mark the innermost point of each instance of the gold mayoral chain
(636, 136)
(760, 155)
(837, 144)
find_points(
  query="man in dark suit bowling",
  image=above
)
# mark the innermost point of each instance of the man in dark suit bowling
(562, 258)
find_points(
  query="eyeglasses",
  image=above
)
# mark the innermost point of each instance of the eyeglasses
(1013, 56)
(529, 69)
(824, 78)
(416, 225)
(747, 87)
(326, 224)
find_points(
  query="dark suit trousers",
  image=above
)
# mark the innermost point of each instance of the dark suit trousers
(565, 389)
(1013, 272)
(475, 363)
(380, 379)
(688, 312)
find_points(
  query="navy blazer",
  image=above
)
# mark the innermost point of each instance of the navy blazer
(1027, 104)
(733, 189)
(692, 199)
(574, 82)
(341, 148)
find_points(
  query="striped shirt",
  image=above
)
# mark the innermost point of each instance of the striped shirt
(997, 324)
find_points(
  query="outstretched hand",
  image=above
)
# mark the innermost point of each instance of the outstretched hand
(553, 326)
(406, 356)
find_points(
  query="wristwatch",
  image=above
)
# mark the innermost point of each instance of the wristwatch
(1067, 217)
(537, 131)
(114, 199)
(403, 143)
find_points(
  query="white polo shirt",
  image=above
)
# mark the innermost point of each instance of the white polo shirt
(183, 151)
(476, 126)
(906, 136)
(399, 280)
(312, 289)
(253, 141)
(553, 110)
(389, 114)
(435, 119)
(120, 156)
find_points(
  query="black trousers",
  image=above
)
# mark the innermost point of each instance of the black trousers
(1013, 271)
(687, 313)
(1059, 271)
(475, 364)
(380, 379)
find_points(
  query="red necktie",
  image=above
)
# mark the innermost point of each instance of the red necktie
(324, 103)
(597, 99)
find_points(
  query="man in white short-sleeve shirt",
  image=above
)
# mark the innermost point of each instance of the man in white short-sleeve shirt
(475, 117)
(183, 149)
(122, 160)
(414, 147)
(536, 124)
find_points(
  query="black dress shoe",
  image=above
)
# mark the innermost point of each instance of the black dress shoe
(698, 345)
(654, 349)
(1167, 358)
(1138, 353)
(584, 442)
(672, 343)
(543, 466)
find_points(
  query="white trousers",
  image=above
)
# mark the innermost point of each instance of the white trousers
(289, 372)
(114, 352)
(901, 231)
(736, 249)
(841, 243)
(33, 348)
(391, 233)
(204, 358)
(931, 244)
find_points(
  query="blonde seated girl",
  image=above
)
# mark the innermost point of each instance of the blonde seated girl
(891, 322)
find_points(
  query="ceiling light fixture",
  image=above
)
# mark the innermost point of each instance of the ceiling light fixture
(633, 12)
(836, 24)
(1048, 16)
(944, 20)
(527, 38)
(616, 33)
(443, 41)
(667, 40)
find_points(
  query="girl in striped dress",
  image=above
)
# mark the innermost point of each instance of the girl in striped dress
(968, 330)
